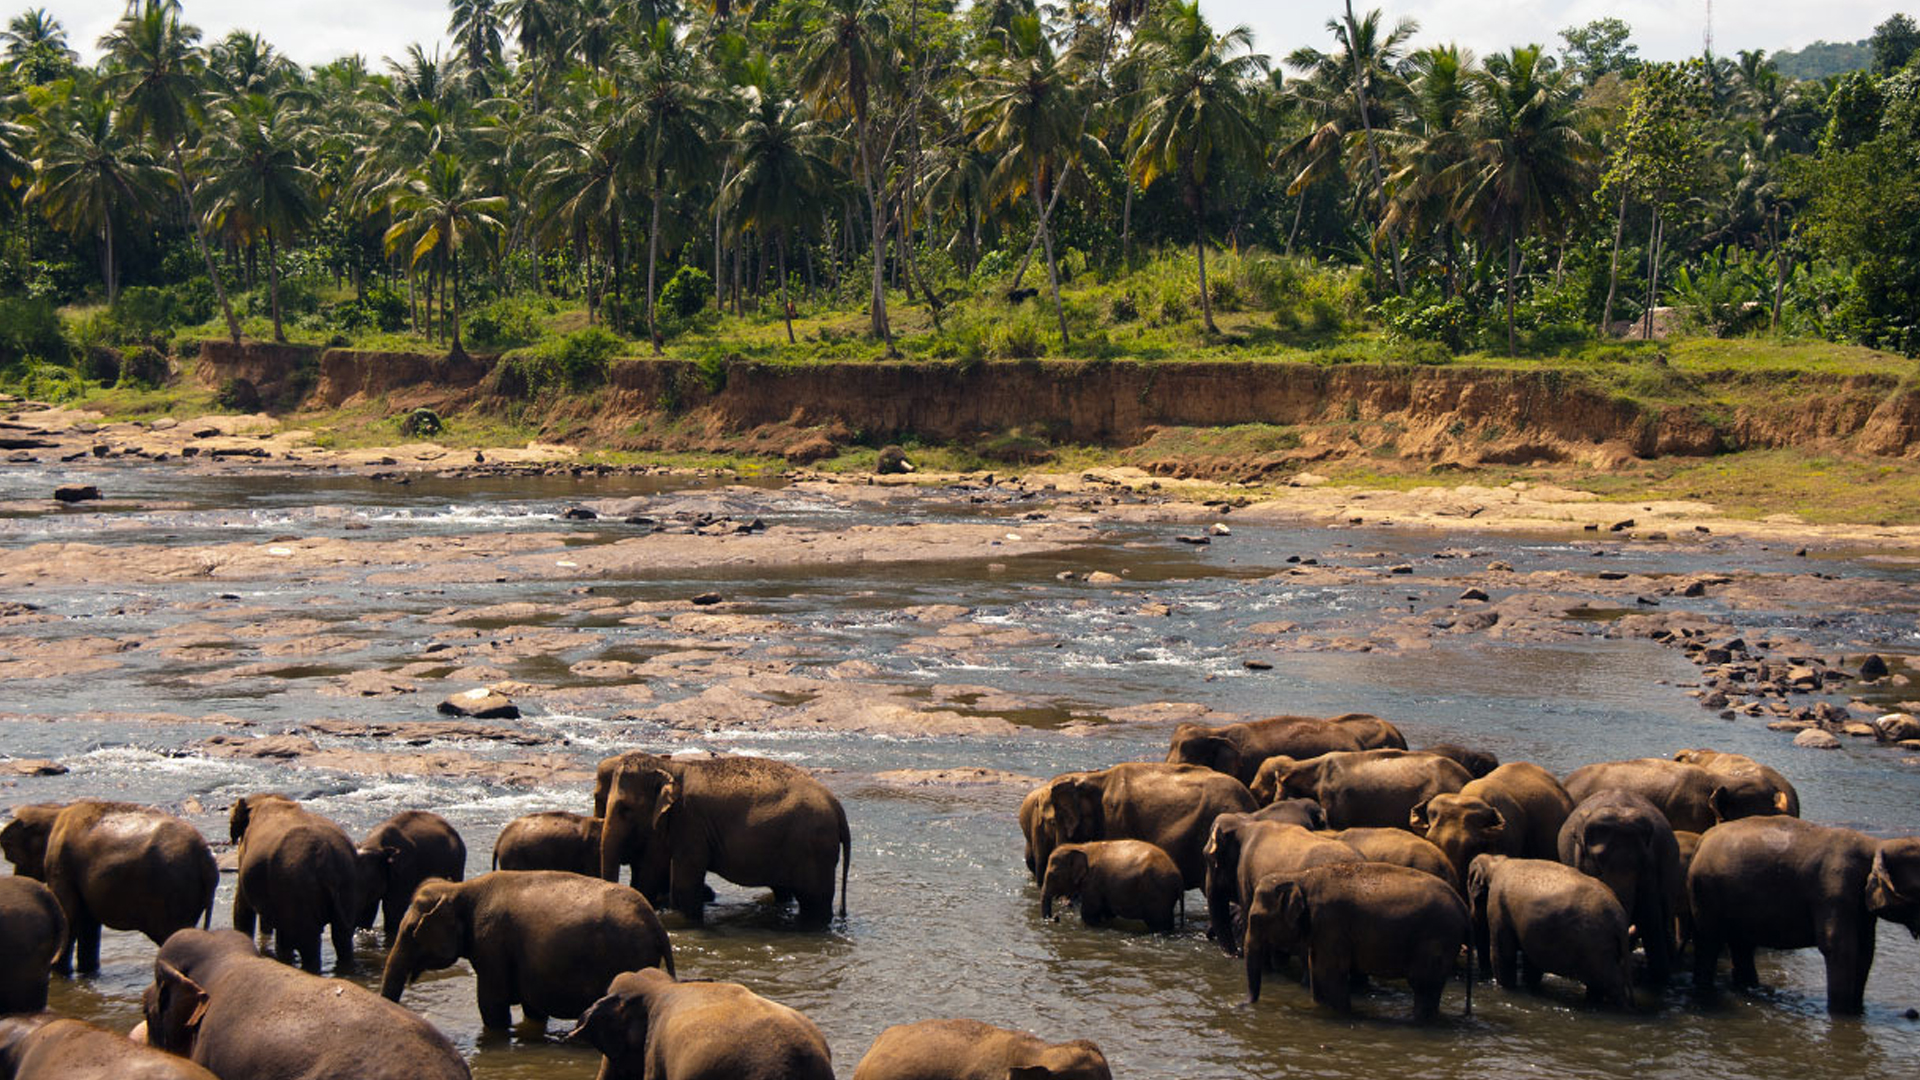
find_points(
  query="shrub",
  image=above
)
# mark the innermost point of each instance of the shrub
(1019, 340)
(30, 329)
(237, 395)
(504, 324)
(421, 423)
(1123, 308)
(144, 365)
(685, 293)
(577, 361)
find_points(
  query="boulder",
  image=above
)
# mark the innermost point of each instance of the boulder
(1873, 667)
(1815, 739)
(1474, 594)
(73, 493)
(578, 513)
(1101, 577)
(706, 599)
(481, 703)
(1897, 727)
(32, 767)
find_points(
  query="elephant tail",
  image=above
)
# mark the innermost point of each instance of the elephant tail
(846, 855)
(1470, 972)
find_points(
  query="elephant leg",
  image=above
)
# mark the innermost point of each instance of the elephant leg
(782, 895)
(1505, 961)
(688, 890)
(816, 909)
(1656, 936)
(243, 914)
(342, 945)
(1331, 980)
(1745, 975)
(86, 944)
(1530, 972)
(1707, 944)
(495, 999)
(1426, 997)
(308, 946)
(1849, 956)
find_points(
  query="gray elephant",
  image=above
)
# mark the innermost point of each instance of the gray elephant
(1545, 917)
(299, 873)
(32, 933)
(1693, 797)
(1780, 883)
(48, 1047)
(1169, 806)
(750, 820)
(1400, 848)
(216, 1001)
(1369, 788)
(399, 854)
(550, 840)
(545, 940)
(1360, 919)
(1242, 850)
(1114, 879)
(1517, 809)
(650, 1027)
(1238, 749)
(971, 1050)
(1748, 788)
(113, 865)
(1622, 839)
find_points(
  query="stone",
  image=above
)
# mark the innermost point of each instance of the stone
(1815, 739)
(1500, 567)
(1611, 575)
(1101, 577)
(1896, 727)
(1218, 529)
(73, 493)
(1859, 730)
(1694, 588)
(32, 767)
(1197, 541)
(1715, 700)
(578, 513)
(1474, 594)
(1403, 568)
(1873, 667)
(164, 423)
(481, 703)
(1621, 526)
(1256, 665)
(705, 599)
(205, 432)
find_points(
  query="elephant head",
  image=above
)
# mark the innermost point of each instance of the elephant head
(1197, 744)
(24, 839)
(1079, 1059)
(1618, 848)
(1067, 870)
(373, 868)
(1462, 827)
(173, 1006)
(639, 807)
(245, 808)
(616, 1025)
(434, 934)
(1283, 777)
(1305, 813)
(1079, 810)
(1732, 801)
(1893, 886)
(1222, 882)
(1041, 827)
(1277, 919)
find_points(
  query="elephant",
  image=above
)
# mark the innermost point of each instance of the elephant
(971, 1050)
(113, 865)
(1238, 749)
(650, 1027)
(48, 1047)
(1169, 806)
(1401, 848)
(1302, 812)
(1114, 879)
(215, 1000)
(1038, 826)
(1693, 797)
(1477, 762)
(750, 820)
(1241, 850)
(1360, 919)
(550, 840)
(1621, 838)
(1545, 917)
(1751, 789)
(1689, 843)
(546, 940)
(399, 854)
(298, 873)
(33, 931)
(1781, 883)
(1371, 787)
(1517, 809)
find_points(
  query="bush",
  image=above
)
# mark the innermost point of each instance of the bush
(504, 324)
(1123, 308)
(685, 293)
(577, 361)
(1019, 341)
(384, 309)
(30, 329)
(237, 395)
(421, 423)
(1422, 317)
(144, 365)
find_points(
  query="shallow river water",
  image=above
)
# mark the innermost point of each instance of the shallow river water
(944, 921)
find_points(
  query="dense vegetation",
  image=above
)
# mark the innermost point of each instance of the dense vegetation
(803, 178)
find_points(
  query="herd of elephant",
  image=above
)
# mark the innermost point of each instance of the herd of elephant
(1328, 843)
(1324, 842)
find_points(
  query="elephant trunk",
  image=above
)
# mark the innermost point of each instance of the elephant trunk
(613, 841)
(398, 972)
(1046, 904)
(1256, 966)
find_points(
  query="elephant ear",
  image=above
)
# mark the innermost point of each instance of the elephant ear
(1722, 802)
(1479, 881)
(1076, 806)
(613, 1026)
(237, 821)
(1782, 802)
(1418, 820)
(175, 1010)
(666, 804)
(1215, 752)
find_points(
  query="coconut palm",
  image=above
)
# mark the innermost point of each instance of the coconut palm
(255, 162)
(438, 212)
(1431, 146)
(476, 29)
(785, 165)
(36, 46)
(1196, 112)
(154, 71)
(91, 172)
(581, 178)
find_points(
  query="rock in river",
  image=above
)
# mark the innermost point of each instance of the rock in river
(1815, 739)
(73, 493)
(481, 703)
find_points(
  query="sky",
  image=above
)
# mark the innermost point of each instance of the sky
(315, 31)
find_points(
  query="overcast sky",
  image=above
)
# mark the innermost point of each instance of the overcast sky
(314, 31)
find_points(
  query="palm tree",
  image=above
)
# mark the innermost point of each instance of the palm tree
(475, 26)
(1529, 165)
(846, 56)
(580, 179)
(440, 210)
(90, 172)
(154, 70)
(784, 167)
(1031, 112)
(1197, 112)
(1431, 148)
(36, 46)
(256, 169)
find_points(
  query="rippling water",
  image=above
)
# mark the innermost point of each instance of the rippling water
(944, 921)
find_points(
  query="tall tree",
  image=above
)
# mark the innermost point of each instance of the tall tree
(673, 121)
(438, 212)
(785, 165)
(256, 166)
(92, 172)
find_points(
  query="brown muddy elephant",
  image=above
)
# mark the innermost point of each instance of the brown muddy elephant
(1238, 749)
(1241, 850)
(1621, 838)
(399, 854)
(113, 865)
(1517, 809)
(1750, 789)
(1400, 848)
(1114, 879)
(49, 1047)
(216, 1001)
(1360, 919)
(1693, 797)
(750, 820)
(1370, 788)
(550, 840)
(299, 873)
(1169, 806)
(1038, 826)
(649, 1027)
(971, 1050)
(1781, 883)
(545, 940)
(32, 933)
(1542, 917)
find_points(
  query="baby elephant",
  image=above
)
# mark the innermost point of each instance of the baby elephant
(649, 1027)
(1114, 879)
(1360, 919)
(550, 840)
(971, 1050)
(32, 933)
(1548, 918)
(544, 940)
(48, 1047)
(399, 854)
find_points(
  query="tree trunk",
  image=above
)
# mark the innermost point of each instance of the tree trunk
(878, 304)
(1053, 270)
(1613, 269)
(1373, 151)
(1200, 250)
(786, 306)
(1779, 271)
(1513, 273)
(1126, 226)
(653, 259)
(453, 286)
(1653, 266)
(113, 285)
(1299, 208)
(273, 287)
(719, 282)
(200, 238)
